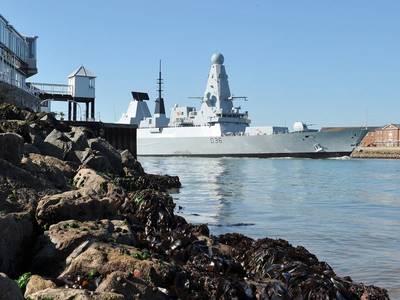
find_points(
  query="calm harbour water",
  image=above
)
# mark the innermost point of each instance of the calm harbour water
(346, 211)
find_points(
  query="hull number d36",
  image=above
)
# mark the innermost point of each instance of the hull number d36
(216, 140)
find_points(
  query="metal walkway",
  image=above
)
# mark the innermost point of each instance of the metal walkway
(63, 92)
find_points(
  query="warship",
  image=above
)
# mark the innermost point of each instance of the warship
(219, 128)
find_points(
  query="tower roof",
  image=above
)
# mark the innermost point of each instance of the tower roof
(82, 71)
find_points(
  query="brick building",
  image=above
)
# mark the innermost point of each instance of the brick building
(387, 136)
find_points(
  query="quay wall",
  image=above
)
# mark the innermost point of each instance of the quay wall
(19, 97)
(120, 136)
(376, 152)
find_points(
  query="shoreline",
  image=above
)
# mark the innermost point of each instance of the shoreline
(376, 153)
(87, 221)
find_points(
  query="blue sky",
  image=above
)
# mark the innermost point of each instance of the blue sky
(324, 62)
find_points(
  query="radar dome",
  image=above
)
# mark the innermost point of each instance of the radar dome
(299, 126)
(217, 58)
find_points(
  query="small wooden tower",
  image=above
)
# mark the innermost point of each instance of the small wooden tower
(82, 85)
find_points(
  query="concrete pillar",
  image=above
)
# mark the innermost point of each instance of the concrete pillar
(74, 111)
(92, 109)
(87, 111)
(69, 110)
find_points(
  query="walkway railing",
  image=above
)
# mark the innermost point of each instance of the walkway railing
(49, 88)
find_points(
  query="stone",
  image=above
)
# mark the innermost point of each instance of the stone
(36, 135)
(82, 155)
(99, 163)
(37, 283)
(69, 294)
(62, 238)
(129, 162)
(103, 259)
(153, 208)
(9, 289)
(16, 126)
(20, 177)
(56, 144)
(126, 285)
(12, 112)
(53, 169)
(20, 189)
(29, 148)
(11, 147)
(79, 205)
(49, 118)
(78, 137)
(100, 184)
(16, 232)
(132, 182)
(89, 179)
(106, 149)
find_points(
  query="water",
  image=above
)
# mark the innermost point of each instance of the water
(345, 211)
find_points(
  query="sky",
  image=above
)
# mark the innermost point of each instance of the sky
(323, 62)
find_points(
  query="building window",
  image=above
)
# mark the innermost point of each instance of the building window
(91, 83)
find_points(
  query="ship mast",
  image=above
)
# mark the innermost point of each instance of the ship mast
(160, 108)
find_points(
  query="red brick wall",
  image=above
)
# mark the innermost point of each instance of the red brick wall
(388, 137)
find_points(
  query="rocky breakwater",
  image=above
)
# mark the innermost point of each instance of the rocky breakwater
(81, 220)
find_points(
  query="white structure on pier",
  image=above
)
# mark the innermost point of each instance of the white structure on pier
(82, 82)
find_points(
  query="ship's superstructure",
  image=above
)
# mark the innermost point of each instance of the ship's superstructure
(219, 128)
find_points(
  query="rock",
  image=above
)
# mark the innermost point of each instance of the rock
(37, 283)
(12, 112)
(78, 137)
(20, 177)
(18, 127)
(78, 205)
(98, 162)
(57, 144)
(46, 122)
(62, 238)
(90, 180)
(50, 119)
(148, 181)
(69, 294)
(16, 232)
(165, 181)
(108, 151)
(127, 285)
(37, 135)
(53, 169)
(101, 259)
(151, 208)
(100, 184)
(128, 161)
(9, 290)
(11, 147)
(82, 155)
(20, 189)
(29, 148)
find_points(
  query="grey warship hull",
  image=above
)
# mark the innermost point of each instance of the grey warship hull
(219, 128)
(334, 142)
